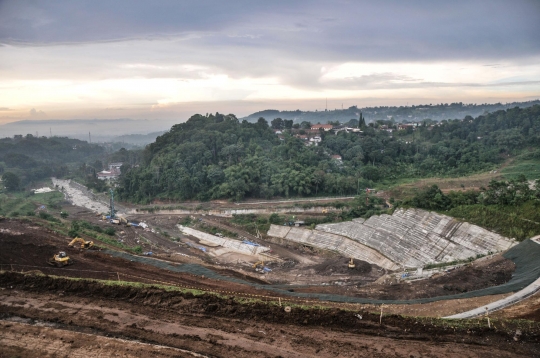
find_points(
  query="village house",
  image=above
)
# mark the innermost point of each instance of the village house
(325, 127)
(336, 157)
(112, 173)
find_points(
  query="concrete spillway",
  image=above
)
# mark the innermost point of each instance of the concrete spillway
(408, 238)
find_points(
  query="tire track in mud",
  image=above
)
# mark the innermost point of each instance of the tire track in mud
(45, 341)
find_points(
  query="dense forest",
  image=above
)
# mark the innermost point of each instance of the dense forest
(27, 159)
(218, 156)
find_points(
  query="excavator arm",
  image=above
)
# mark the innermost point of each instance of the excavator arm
(84, 244)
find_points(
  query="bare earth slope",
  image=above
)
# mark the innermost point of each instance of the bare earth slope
(60, 310)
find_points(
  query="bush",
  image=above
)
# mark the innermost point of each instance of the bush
(110, 231)
(30, 213)
(275, 219)
(63, 214)
(46, 216)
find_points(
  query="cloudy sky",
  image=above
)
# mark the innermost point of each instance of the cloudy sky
(165, 59)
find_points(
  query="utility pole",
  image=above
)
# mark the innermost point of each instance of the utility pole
(112, 204)
(89, 138)
(50, 132)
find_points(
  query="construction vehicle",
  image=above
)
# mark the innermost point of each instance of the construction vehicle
(60, 260)
(325, 211)
(84, 244)
(259, 266)
(351, 263)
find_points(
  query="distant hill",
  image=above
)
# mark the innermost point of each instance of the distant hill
(100, 129)
(437, 112)
(138, 139)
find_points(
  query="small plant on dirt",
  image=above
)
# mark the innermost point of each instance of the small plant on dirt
(46, 216)
(110, 231)
(63, 214)
(15, 214)
(74, 230)
(73, 233)
(186, 221)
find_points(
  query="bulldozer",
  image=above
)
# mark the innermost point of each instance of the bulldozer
(84, 244)
(351, 264)
(60, 260)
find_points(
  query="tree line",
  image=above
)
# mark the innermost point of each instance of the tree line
(28, 159)
(218, 156)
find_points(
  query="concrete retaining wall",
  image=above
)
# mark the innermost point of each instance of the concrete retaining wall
(343, 245)
(234, 245)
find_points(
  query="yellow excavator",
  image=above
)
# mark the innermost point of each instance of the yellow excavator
(60, 260)
(258, 266)
(84, 244)
(351, 263)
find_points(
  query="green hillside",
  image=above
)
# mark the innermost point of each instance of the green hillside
(217, 156)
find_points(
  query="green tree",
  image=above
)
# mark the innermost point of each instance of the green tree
(11, 181)
(361, 122)
(277, 123)
(305, 125)
(288, 123)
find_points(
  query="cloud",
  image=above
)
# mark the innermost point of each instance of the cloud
(321, 30)
(35, 114)
(113, 55)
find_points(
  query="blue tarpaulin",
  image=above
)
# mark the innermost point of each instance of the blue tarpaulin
(250, 243)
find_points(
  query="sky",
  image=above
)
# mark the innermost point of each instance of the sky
(169, 59)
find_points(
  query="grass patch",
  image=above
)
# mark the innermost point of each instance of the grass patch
(530, 168)
(519, 222)
(214, 230)
(24, 202)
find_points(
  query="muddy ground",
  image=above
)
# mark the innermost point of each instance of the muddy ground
(25, 245)
(44, 315)
(487, 273)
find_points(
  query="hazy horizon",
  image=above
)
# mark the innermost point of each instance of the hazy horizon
(166, 60)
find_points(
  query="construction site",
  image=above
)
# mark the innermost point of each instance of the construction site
(200, 282)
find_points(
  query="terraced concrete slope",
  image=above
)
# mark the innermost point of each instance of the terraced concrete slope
(343, 245)
(409, 238)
